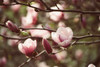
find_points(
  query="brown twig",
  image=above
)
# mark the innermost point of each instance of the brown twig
(28, 60)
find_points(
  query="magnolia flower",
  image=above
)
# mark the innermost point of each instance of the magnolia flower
(42, 64)
(13, 43)
(91, 65)
(40, 33)
(78, 54)
(63, 36)
(3, 62)
(61, 55)
(47, 46)
(15, 8)
(28, 47)
(61, 24)
(56, 16)
(31, 17)
(12, 27)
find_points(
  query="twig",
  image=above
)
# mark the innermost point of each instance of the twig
(28, 60)
(45, 4)
(56, 10)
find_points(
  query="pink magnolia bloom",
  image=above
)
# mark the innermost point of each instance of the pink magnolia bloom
(12, 27)
(15, 8)
(40, 33)
(78, 54)
(61, 24)
(42, 64)
(61, 55)
(63, 36)
(91, 65)
(47, 46)
(28, 47)
(3, 62)
(6, 1)
(31, 17)
(13, 43)
(56, 16)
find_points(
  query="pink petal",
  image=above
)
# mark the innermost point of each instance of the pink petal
(55, 37)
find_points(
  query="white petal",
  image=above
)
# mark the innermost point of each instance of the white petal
(55, 37)
(20, 47)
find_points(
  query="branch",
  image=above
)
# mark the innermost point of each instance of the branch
(88, 42)
(28, 60)
(45, 4)
(56, 10)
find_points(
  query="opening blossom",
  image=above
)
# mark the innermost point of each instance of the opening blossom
(28, 47)
(63, 36)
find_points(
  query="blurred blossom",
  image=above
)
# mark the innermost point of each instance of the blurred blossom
(78, 54)
(13, 43)
(99, 27)
(15, 8)
(42, 64)
(46, 45)
(56, 16)
(31, 17)
(66, 16)
(3, 62)
(76, 19)
(61, 55)
(91, 65)
(63, 36)
(6, 1)
(28, 47)
(12, 26)
(40, 33)
(61, 24)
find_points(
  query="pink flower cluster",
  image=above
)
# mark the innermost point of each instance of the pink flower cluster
(62, 37)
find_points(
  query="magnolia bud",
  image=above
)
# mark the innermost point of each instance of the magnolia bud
(12, 27)
(47, 46)
(28, 47)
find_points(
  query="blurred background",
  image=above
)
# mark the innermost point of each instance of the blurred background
(78, 55)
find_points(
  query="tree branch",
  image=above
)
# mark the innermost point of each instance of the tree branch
(28, 60)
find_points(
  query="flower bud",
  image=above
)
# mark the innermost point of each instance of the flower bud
(12, 27)
(47, 46)
(28, 47)
(78, 54)
(2, 62)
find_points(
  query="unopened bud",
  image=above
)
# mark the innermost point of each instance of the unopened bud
(47, 46)
(12, 27)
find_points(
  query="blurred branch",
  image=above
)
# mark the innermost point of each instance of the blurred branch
(28, 60)
(88, 42)
(56, 10)
(45, 4)
(2, 25)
